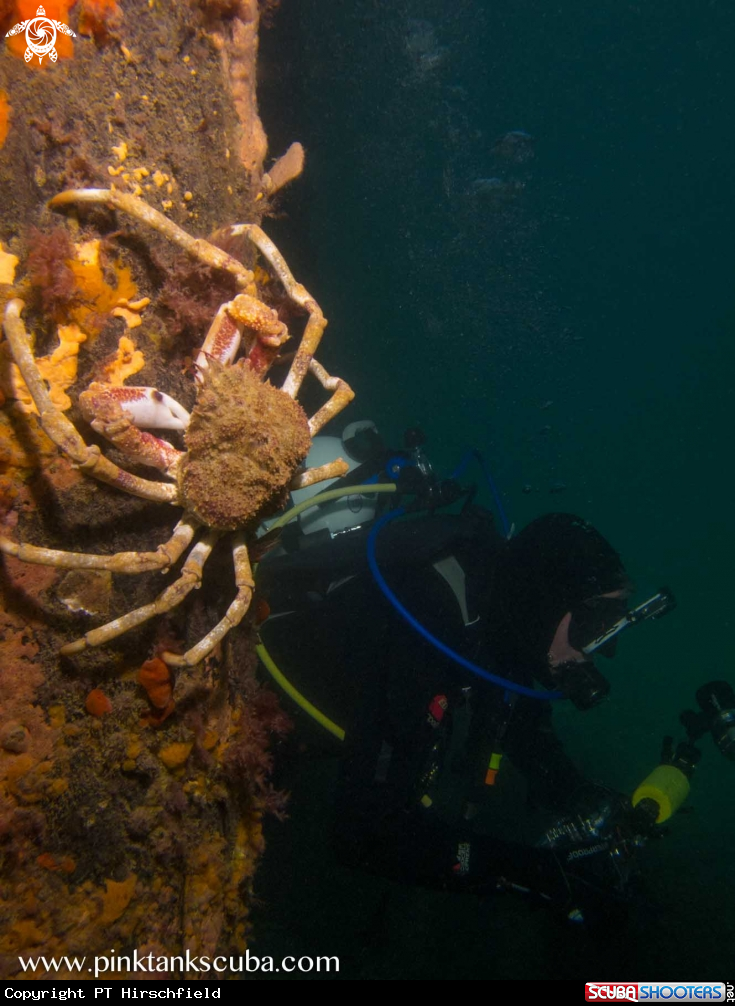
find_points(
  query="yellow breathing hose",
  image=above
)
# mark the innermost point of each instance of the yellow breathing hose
(331, 494)
(265, 657)
(295, 694)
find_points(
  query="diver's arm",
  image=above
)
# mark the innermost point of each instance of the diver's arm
(554, 781)
(418, 849)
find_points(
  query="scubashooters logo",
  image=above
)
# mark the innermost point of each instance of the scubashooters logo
(658, 992)
(41, 34)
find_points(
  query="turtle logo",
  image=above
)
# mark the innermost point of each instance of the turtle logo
(40, 35)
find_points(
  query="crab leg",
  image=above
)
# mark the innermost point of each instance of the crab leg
(233, 616)
(300, 295)
(332, 470)
(196, 247)
(172, 596)
(61, 431)
(342, 395)
(113, 411)
(303, 359)
(119, 562)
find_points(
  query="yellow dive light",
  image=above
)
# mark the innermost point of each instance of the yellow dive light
(667, 786)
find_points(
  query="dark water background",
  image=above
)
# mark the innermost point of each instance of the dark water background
(597, 275)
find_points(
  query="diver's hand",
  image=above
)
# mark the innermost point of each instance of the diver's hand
(594, 849)
(596, 812)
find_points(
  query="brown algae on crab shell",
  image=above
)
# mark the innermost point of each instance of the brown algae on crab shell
(244, 443)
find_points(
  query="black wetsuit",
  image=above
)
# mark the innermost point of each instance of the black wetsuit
(342, 643)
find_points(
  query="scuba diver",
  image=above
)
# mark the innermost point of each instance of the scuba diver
(429, 647)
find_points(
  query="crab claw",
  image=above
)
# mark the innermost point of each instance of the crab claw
(146, 407)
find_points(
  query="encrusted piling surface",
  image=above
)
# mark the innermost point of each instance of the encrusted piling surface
(130, 799)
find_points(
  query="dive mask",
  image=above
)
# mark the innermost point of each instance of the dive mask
(592, 619)
(594, 627)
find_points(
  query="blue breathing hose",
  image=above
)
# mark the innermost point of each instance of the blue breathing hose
(494, 679)
(474, 455)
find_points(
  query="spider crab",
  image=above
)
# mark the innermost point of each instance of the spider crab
(245, 439)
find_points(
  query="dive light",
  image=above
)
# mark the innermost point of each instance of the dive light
(716, 701)
(666, 788)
